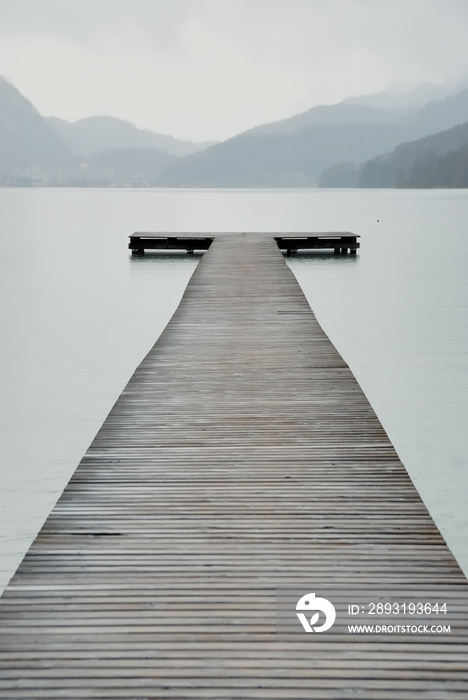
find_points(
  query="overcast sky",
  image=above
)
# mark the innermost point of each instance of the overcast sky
(208, 69)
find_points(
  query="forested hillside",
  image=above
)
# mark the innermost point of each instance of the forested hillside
(439, 160)
(435, 161)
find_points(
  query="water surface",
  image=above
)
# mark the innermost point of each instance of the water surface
(78, 314)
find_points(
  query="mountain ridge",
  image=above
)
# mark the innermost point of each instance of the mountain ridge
(37, 150)
(102, 133)
(27, 143)
(293, 152)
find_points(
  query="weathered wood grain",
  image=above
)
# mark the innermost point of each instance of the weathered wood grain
(241, 456)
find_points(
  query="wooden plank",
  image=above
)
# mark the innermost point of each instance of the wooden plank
(241, 456)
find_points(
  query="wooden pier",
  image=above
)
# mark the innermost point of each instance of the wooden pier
(339, 243)
(241, 457)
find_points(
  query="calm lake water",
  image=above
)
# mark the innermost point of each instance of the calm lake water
(78, 314)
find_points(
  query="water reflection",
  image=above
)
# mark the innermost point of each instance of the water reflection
(322, 256)
(165, 256)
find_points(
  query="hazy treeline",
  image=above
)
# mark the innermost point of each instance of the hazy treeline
(440, 160)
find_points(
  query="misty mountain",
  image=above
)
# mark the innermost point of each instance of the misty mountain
(330, 139)
(440, 160)
(27, 143)
(396, 99)
(387, 107)
(296, 151)
(38, 150)
(92, 134)
(278, 160)
(439, 115)
(331, 115)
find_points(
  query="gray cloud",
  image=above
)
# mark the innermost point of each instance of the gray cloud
(211, 68)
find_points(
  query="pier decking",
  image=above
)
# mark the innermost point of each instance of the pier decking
(242, 456)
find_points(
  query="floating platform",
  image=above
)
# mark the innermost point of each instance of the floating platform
(139, 242)
(340, 243)
(241, 459)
